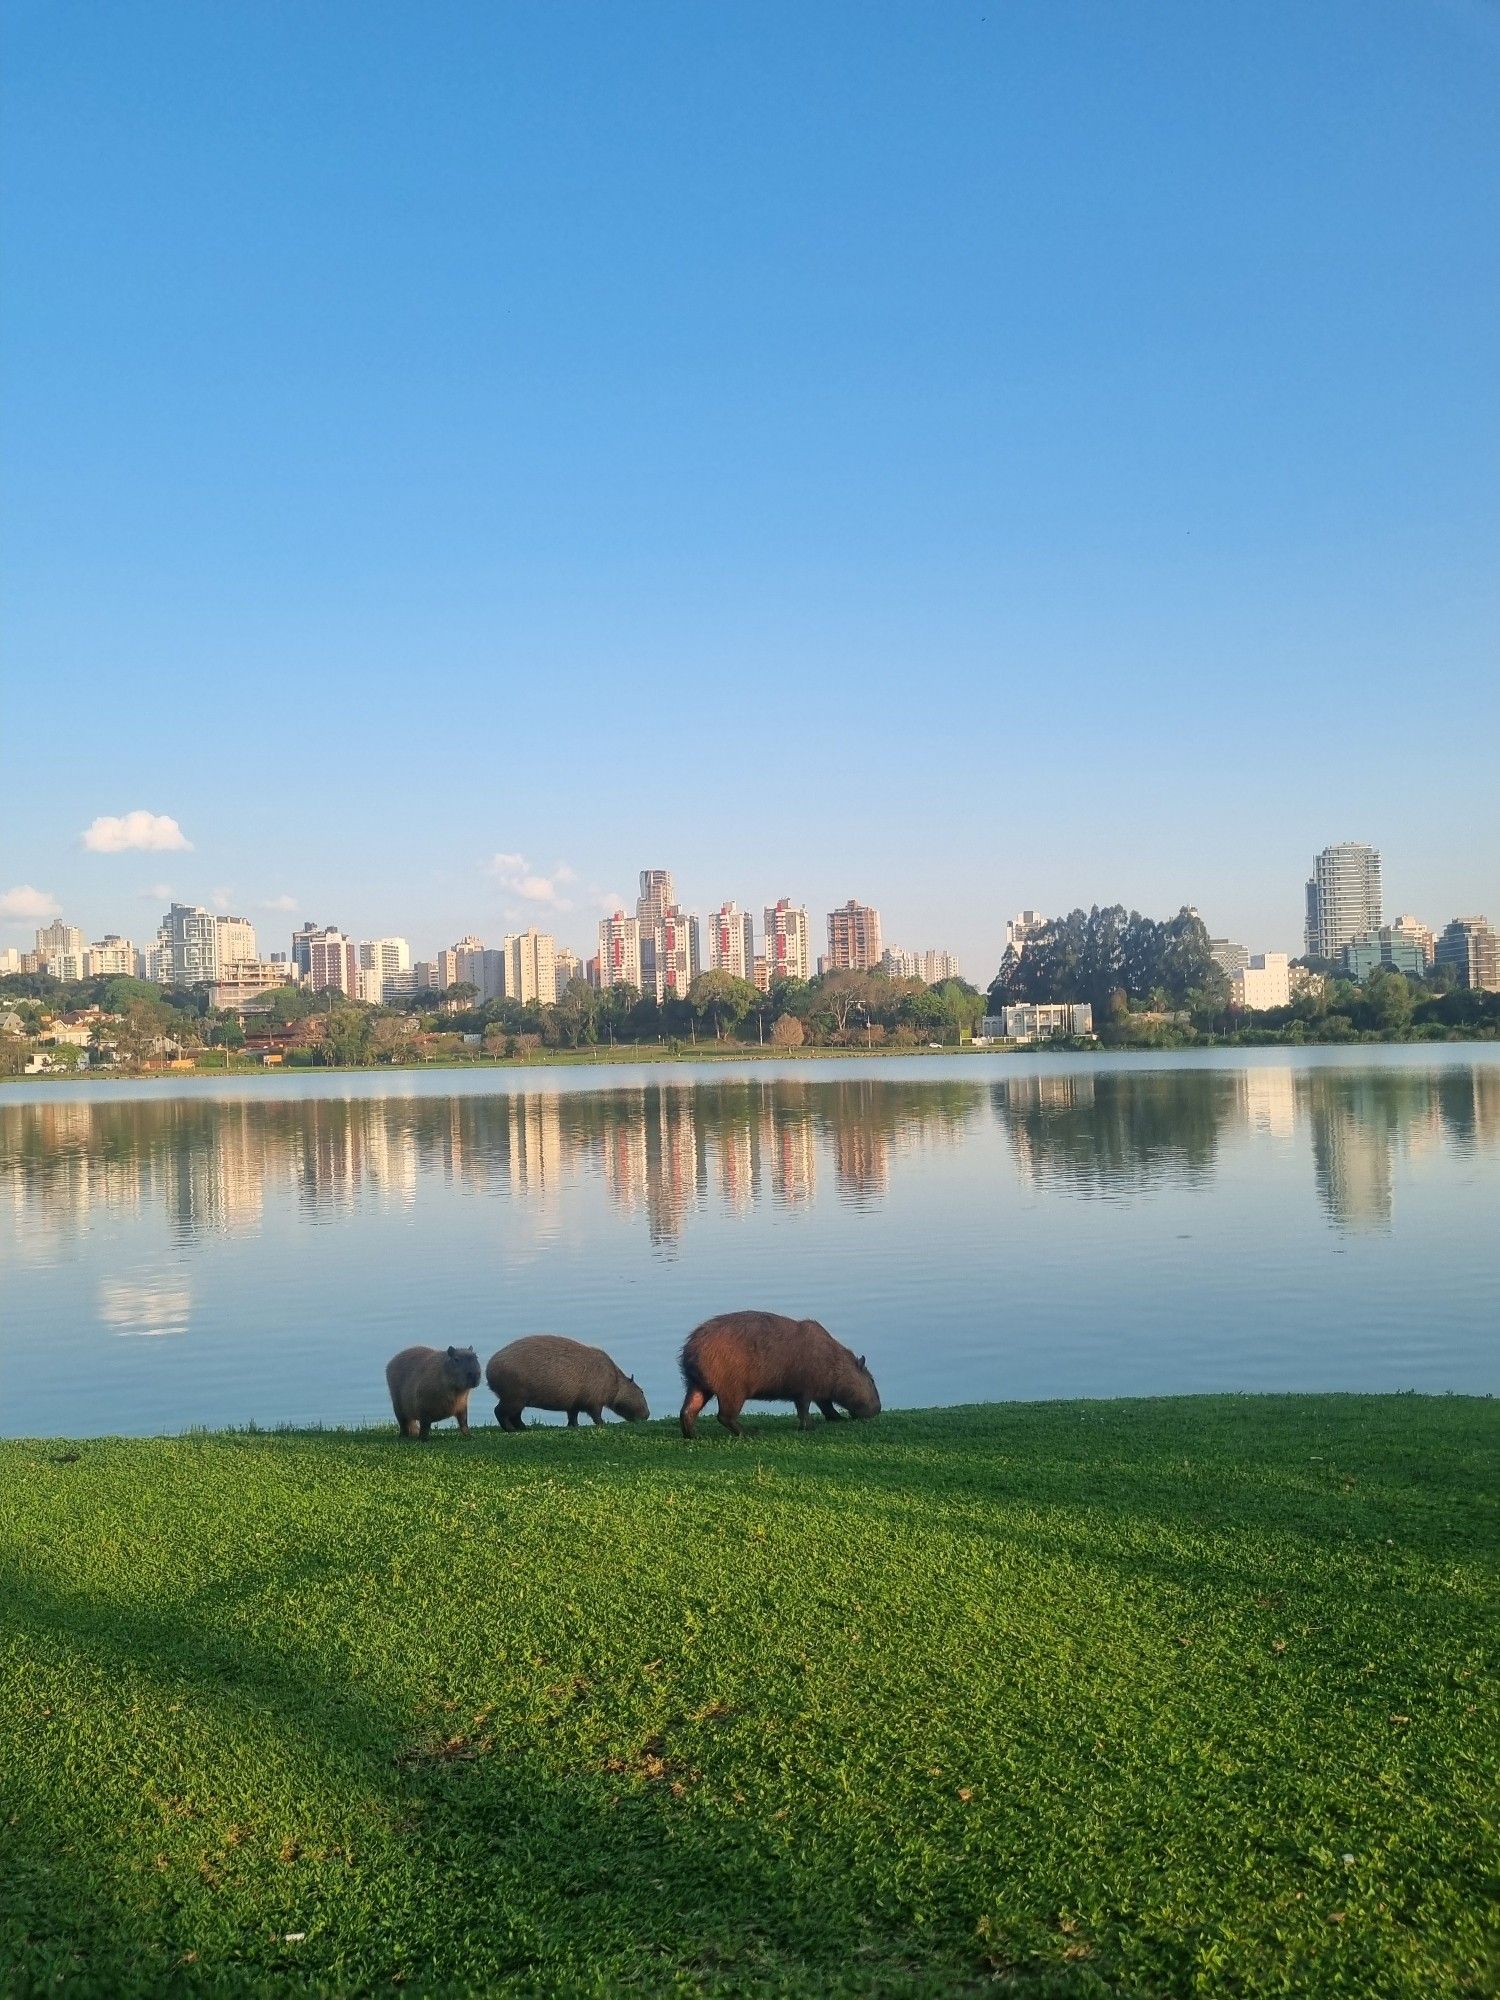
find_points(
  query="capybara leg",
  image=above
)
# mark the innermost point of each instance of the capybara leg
(597, 1415)
(572, 1420)
(804, 1421)
(500, 1416)
(425, 1430)
(692, 1403)
(834, 1416)
(729, 1416)
(462, 1413)
(513, 1420)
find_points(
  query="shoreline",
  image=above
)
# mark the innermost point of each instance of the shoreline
(652, 1057)
(772, 1420)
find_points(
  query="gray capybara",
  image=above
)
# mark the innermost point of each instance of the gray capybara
(543, 1371)
(760, 1357)
(430, 1383)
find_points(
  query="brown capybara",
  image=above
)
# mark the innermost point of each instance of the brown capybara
(430, 1383)
(761, 1357)
(547, 1372)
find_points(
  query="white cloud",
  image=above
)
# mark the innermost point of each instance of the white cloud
(24, 902)
(159, 1306)
(287, 903)
(517, 876)
(159, 892)
(154, 832)
(221, 898)
(611, 901)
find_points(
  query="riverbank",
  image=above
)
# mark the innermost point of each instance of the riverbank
(1160, 1696)
(654, 1055)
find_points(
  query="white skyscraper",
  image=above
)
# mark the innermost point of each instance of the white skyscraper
(531, 968)
(731, 941)
(187, 947)
(674, 955)
(234, 942)
(388, 958)
(788, 954)
(619, 951)
(1343, 898)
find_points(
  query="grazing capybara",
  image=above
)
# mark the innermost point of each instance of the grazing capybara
(547, 1372)
(430, 1383)
(761, 1357)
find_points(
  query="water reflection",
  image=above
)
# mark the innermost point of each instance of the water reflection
(660, 1151)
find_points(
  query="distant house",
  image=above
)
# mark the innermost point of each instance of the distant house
(1039, 1021)
(11, 1023)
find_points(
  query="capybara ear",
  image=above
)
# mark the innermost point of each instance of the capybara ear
(453, 1354)
(862, 1364)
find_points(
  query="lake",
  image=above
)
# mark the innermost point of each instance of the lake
(198, 1252)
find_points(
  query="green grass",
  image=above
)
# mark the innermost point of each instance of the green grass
(1131, 1698)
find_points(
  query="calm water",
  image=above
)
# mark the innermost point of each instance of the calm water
(983, 1227)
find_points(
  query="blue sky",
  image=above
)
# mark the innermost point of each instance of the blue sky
(956, 456)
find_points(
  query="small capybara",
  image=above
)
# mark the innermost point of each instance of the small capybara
(430, 1383)
(547, 1372)
(767, 1358)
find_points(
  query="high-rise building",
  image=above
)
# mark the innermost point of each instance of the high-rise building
(327, 960)
(234, 941)
(66, 965)
(187, 946)
(1343, 898)
(1022, 928)
(531, 968)
(731, 941)
(674, 955)
(57, 938)
(450, 963)
(931, 967)
(620, 951)
(853, 937)
(387, 958)
(788, 951)
(658, 895)
(111, 957)
(568, 966)
(1471, 947)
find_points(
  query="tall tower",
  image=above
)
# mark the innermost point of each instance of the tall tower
(1343, 898)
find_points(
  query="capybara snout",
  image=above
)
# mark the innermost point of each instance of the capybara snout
(749, 1357)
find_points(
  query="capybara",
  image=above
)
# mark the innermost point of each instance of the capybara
(547, 1372)
(761, 1357)
(430, 1383)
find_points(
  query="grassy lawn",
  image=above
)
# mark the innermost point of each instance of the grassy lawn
(1130, 1698)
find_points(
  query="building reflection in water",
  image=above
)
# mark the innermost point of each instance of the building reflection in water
(662, 1151)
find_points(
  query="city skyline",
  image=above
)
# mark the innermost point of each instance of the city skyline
(659, 897)
(532, 447)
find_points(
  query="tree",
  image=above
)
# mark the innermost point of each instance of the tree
(721, 998)
(787, 1033)
(347, 1039)
(841, 995)
(1388, 996)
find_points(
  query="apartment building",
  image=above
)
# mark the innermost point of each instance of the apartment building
(731, 941)
(1262, 982)
(1471, 947)
(387, 959)
(788, 950)
(531, 968)
(620, 951)
(1343, 898)
(853, 938)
